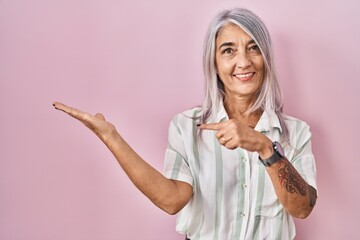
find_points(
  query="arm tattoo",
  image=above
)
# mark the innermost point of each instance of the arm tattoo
(290, 179)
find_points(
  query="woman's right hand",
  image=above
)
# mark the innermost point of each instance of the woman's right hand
(169, 195)
(96, 123)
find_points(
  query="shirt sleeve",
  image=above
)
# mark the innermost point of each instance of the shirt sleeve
(176, 165)
(303, 159)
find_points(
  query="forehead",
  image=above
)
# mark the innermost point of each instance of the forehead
(232, 33)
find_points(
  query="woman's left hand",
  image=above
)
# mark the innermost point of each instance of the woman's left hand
(232, 134)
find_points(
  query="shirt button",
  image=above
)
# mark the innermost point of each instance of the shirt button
(244, 159)
(244, 186)
(240, 215)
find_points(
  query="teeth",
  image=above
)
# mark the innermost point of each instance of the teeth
(245, 75)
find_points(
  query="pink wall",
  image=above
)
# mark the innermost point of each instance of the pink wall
(140, 63)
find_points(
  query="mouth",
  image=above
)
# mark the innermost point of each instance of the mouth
(244, 76)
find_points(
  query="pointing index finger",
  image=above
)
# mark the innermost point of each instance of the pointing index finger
(211, 126)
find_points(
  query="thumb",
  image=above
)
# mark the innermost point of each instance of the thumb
(100, 116)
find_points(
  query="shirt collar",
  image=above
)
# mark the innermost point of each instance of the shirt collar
(267, 120)
(221, 114)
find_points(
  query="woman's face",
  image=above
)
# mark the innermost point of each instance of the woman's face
(239, 62)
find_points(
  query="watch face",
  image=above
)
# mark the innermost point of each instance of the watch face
(279, 148)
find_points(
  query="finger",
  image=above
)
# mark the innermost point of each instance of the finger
(224, 139)
(230, 144)
(82, 116)
(62, 107)
(57, 105)
(211, 126)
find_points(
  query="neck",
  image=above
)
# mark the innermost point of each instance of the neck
(237, 108)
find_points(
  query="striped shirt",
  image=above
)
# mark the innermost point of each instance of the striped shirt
(233, 196)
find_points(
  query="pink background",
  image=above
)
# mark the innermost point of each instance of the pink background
(139, 62)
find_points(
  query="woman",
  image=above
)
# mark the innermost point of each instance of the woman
(225, 168)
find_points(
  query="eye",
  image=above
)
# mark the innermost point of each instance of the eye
(254, 49)
(227, 51)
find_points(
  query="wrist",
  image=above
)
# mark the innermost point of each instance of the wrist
(111, 137)
(278, 154)
(267, 149)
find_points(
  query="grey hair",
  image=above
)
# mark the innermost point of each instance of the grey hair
(269, 96)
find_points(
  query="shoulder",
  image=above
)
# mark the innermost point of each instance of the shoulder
(186, 120)
(189, 116)
(294, 123)
(299, 130)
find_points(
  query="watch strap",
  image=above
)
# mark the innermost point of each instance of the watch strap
(273, 159)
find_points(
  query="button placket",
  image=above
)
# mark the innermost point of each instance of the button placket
(243, 188)
(246, 189)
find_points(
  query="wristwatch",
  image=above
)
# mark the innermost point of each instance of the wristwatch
(278, 155)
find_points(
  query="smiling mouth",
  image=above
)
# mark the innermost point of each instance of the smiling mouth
(244, 76)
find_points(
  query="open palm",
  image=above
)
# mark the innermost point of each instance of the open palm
(96, 123)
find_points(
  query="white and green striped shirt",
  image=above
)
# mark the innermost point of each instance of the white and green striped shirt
(233, 195)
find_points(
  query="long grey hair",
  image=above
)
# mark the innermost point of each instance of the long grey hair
(269, 96)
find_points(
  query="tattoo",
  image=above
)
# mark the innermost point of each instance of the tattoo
(312, 196)
(290, 179)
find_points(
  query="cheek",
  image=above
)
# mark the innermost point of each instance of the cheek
(223, 67)
(260, 66)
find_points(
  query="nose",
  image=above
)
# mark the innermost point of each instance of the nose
(243, 60)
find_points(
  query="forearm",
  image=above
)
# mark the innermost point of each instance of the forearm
(293, 192)
(167, 194)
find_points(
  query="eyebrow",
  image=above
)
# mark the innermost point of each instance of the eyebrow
(226, 44)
